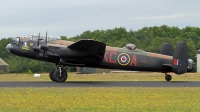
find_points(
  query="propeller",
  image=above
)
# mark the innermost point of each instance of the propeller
(37, 48)
(42, 50)
(38, 40)
(44, 47)
(46, 38)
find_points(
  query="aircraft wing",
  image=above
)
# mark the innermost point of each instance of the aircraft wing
(94, 49)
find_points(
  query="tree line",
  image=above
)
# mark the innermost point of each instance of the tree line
(148, 39)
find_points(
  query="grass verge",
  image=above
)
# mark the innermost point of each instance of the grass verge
(138, 76)
(100, 99)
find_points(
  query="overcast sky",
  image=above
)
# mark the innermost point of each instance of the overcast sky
(73, 17)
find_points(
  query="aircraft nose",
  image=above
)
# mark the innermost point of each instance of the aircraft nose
(8, 47)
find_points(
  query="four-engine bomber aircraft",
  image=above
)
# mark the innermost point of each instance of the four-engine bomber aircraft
(91, 53)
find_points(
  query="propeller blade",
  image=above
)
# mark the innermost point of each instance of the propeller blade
(38, 40)
(19, 41)
(46, 38)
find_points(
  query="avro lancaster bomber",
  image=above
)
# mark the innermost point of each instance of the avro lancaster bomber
(91, 53)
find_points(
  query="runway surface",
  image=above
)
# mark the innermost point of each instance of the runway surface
(103, 84)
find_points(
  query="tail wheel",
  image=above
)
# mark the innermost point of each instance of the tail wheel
(60, 75)
(168, 77)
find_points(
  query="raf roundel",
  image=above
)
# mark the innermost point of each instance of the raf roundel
(123, 59)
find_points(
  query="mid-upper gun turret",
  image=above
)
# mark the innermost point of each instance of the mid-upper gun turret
(131, 46)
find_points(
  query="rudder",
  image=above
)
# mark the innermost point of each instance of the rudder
(180, 58)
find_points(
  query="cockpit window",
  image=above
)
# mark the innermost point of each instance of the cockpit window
(131, 46)
(15, 40)
(42, 37)
(34, 37)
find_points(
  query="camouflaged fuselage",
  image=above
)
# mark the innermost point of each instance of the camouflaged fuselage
(136, 60)
(123, 58)
(114, 57)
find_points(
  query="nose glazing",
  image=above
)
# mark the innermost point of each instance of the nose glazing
(8, 47)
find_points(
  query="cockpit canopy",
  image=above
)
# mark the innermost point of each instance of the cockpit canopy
(131, 46)
(34, 37)
(42, 38)
(16, 40)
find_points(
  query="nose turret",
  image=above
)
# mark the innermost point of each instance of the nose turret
(9, 47)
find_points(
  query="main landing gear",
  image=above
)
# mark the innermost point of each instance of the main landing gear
(168, 77)
(58, 74)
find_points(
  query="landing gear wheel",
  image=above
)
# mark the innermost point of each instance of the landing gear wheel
(51, 74)
(60, 75)
(168, 77)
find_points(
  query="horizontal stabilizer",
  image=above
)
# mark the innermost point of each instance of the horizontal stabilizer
(180, 58)
(95, 49)
(166, 49)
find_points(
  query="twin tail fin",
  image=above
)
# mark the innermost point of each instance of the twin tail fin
(180, 58)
